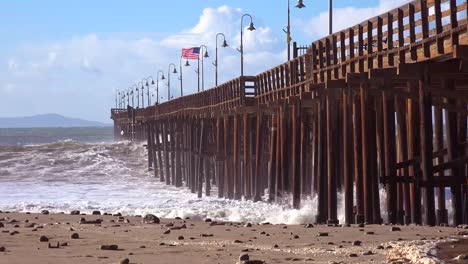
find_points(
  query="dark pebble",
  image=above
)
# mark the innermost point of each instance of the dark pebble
(96, 213)
(357, 243)
(109, 247)
(180, 238)
(308, 226)
(43, 239)
(395, 229)
(75, 236)
(125, 261)
(2, 249)
(75, 212)
(244, 257)
(45, 212)
(322, 234)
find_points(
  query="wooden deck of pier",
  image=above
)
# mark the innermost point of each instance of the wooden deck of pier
(384, 102)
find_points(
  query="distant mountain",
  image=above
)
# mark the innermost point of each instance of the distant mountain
(46, 120)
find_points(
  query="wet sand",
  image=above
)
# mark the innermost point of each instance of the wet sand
(198, 241)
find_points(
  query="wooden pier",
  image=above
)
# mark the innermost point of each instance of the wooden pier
(382, 103)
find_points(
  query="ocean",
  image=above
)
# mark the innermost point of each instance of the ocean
(65, 169)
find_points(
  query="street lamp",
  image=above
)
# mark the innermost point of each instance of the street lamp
(216, 55)
(147, 88)
(142, 95)
(330, 14)
(169, 80)
(157, 84)
(241, 50)
(117, 95)
(205, 55)
(138, 95)
(180, 77)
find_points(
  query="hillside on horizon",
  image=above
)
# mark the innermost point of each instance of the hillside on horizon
(47, 120)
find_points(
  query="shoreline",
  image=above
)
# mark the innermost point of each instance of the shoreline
(205, 241)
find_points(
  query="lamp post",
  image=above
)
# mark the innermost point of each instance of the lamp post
(241, 50)
(205, 55)
(142, 95)
(157, 84)
(180, 77)
(169, 80)
(148, 88)
(216, 55)
(117, 94)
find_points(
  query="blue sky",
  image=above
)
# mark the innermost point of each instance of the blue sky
(69, 57)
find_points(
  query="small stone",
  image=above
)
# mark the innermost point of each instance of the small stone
(380, 247)
(361, 225)
(2, 249)
(244, 257)
(322, 234)
(296, 237)
(167, 232)
(177, 218)
(369, 233)
(45, 212)
(43, 239)
(109, 247)
(352, 255)
(125, 261)
(276, 246)
(308, 225)
(151, 219)
(248, 225)
(368, 253)
(14, 233)
(75, 212)
(208, 220)
(142, 246)
(180, 238)
(206, 235)
(75, 236)
(96, 213)
(395, 229)
(29, 225)
(1, 225)
(357, 243)
(238, 241)
(64, 244)
(117, 214)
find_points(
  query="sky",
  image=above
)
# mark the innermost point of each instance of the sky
(70, 57)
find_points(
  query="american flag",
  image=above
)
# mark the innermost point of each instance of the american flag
(191, 53)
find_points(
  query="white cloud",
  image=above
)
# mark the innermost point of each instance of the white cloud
(78, 76)
(317, 26)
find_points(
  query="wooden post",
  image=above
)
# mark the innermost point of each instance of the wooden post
(425, 111)
(403, 155)
(332, 161)
(441, 213)
(295, 154)
(322, 163)
(390, 153)
(236, 154)
(366, 155)
(228, 157)
(247, 158)
(220, 156)
(413, 151)
(258, 157)
(358, 178)
(178, 149)
(453, 153)
(166, 153)
(347, 156)
(272, 159)
(201, 144)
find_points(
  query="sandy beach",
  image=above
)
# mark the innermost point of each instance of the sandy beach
(33, 238)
